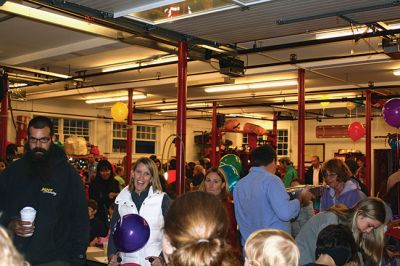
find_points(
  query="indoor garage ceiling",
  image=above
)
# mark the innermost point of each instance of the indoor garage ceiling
(81, 39)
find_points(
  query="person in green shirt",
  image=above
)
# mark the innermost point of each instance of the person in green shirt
(119, 170)
(290, 174)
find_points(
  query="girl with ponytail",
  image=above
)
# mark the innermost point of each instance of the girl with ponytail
(195, 232)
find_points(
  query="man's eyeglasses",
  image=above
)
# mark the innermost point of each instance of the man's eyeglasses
(330, 175)
(41, 140)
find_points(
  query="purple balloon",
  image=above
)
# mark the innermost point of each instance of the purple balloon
(391, 112)
(131, 233)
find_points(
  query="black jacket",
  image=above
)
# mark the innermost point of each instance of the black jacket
(308, 180)
(98, 191)
(62, 222)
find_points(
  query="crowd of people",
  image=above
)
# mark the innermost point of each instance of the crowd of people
(255, 224)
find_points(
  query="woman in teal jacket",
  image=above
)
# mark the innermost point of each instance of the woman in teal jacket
(290, 174)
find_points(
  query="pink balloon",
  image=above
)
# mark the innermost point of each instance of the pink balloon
(356, 131)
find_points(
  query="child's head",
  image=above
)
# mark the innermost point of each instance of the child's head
(295, 182)
(8, 253)
(337, 241)
(195, 232)
(92, 208)
(111, 209)
(270, 247)
(119, 170)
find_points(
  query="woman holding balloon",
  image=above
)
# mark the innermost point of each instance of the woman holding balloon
(216, 183)
(142, 196)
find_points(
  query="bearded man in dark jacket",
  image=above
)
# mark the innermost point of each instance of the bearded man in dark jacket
(43, 179)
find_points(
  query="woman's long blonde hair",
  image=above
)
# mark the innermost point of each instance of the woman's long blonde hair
(271, 247)
(371, 244)
(154, 180)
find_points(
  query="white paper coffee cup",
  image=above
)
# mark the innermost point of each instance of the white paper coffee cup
(28, 214)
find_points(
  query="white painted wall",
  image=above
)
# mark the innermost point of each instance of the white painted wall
(101, 130)
(101, 126)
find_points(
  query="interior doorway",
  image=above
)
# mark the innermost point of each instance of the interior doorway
(382, 170)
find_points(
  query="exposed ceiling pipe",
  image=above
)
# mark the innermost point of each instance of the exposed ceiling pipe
(319, 41)
(310, 60)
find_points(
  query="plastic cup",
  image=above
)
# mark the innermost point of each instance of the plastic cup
(105, 246)
(28, 214)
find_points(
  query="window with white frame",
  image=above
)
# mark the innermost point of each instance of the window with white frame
(55, 126)
(66, 127)
(145, 141)
(76, 127)
(283, 143)
(119, 137)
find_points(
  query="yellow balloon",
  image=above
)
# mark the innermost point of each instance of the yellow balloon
(119, 112)
(350, 106)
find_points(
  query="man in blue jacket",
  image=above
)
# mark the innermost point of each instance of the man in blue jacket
(43, 179)
(260, 198)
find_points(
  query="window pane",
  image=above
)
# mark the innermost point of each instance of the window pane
(145, 146)
(119, 145)
(76, 127)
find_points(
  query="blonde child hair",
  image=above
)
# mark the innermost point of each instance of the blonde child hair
(271, 247)
(8, 253)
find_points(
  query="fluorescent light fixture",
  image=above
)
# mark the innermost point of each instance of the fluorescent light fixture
(226, 88)
(251, 86)
(62, 20)
(187, 105)
(341, 33)
(348, 31)
(168, 111)
(116, 99)
(396, 72)
(18, 85)
(211, 48)
(127, 65)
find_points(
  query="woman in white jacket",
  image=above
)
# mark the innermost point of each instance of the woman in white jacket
(142, 196)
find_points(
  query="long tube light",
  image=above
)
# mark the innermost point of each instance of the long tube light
(170, 106)
(62, 20)
(348, 31)
(250, 86)
(165, 59)
(115, 99)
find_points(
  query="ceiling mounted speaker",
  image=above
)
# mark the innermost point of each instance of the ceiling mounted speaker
(391, 47)
(231, 67)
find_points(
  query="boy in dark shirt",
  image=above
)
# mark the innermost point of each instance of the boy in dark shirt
(97, 228)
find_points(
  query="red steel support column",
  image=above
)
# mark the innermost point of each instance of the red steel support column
(214, 135)
(301, 124)
(368, 140)
(275, 130)
(129, 138)
(4, 116)
(181, 118)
